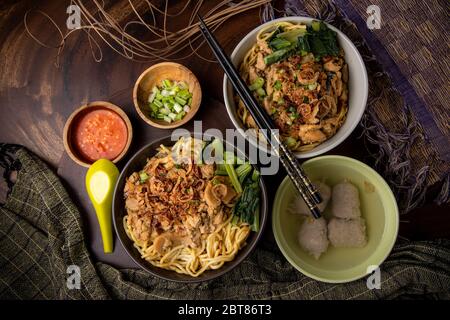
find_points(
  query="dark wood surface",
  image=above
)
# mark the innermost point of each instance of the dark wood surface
(36, 98)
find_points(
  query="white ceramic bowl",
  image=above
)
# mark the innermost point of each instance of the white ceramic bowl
(358, 87)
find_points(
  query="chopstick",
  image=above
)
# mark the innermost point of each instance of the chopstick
(302, 183)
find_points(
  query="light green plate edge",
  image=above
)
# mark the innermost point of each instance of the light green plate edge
(382, 249)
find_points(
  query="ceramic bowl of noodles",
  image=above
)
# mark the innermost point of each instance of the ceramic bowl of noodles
(184, 220)
(308, 76)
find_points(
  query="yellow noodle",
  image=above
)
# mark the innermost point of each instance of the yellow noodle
(215, 248)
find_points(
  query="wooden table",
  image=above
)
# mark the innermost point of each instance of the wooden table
(36, 98)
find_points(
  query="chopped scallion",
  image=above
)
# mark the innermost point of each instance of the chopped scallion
(170, 101)
(257, 84)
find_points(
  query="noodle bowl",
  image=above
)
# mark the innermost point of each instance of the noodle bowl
(179, 216)
(336, 127)
(305, 94)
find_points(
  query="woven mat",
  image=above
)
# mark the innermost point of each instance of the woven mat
(406, 125)
(41, 236)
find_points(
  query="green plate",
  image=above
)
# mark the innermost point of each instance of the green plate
(378, 208)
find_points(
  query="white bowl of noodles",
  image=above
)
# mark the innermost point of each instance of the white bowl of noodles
(347, 120)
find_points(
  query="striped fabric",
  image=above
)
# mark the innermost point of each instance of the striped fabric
(41, 239)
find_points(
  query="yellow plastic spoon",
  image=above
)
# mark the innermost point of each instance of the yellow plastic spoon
(100, 181)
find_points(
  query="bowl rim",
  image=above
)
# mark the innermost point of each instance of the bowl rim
(230, 265)
(313, 152)
(389, 194)
(95, 104)
(174, 124)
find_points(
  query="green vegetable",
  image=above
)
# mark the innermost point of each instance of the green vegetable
(230, 160)
(246, 208)
(243, 171)
(143, 176)
(315, 25)
(293, 115)
(217, 147)
(255, 224)
(279, 43)
(261, 92)
(277, 85)
(276, 32)
(290, 142)
(184, 94)
(158, 103)
(180, 100)
(303, 45)
(255, 175)
(180, 115)
(322, 40)
(154, 108)
(257, 84)
(292, 35)
(312, 86)
(165, 111)
(317, 47)
(182, 85)
(235, 219)
(221, 172)
(178, 108)
(170, 101)
(275, 56)
(233, 177)
(167, 84)
(172, 115)
(305, 99)
(316, 38)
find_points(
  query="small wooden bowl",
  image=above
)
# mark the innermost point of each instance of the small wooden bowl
(73, 118)
(154, 76)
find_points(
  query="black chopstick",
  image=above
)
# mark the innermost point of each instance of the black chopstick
(302, 183)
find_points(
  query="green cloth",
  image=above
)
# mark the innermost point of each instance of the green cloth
(41, 234)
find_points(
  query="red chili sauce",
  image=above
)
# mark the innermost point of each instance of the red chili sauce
(100, 134)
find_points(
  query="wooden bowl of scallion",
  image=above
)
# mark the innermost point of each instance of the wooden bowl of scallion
(167, 95)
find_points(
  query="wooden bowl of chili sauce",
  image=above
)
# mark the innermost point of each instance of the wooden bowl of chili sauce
(97, 130)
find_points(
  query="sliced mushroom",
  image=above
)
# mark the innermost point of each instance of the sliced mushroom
(252, 74)
(333, 65)
(132, 204)
(311, 134)
(231, 194)
(162, 243)
(224, 190)
(260, 64)
(207, 171)
(307, 76)
(218, 218)
(211, 200)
